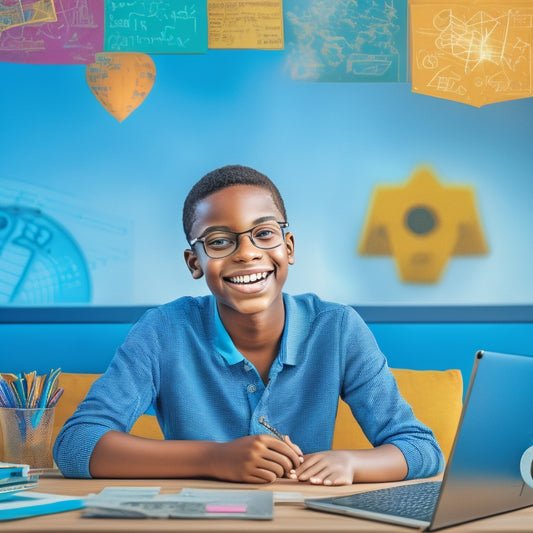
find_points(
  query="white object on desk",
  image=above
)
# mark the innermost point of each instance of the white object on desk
(526, 464)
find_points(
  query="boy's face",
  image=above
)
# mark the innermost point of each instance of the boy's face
(239, 208)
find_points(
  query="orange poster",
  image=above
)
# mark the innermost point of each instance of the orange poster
(474, 52)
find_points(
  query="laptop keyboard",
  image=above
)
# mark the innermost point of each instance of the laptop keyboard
(417, 501)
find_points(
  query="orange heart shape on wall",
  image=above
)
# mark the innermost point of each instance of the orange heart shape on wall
(121, 81)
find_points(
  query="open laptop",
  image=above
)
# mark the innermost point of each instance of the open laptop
(482, 476)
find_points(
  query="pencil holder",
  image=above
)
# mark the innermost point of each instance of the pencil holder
(27, 436)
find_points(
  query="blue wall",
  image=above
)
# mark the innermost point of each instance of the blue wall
(118, 188)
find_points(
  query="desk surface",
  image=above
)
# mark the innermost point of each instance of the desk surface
(288, 517)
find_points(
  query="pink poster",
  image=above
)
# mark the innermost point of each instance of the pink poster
(74, 38)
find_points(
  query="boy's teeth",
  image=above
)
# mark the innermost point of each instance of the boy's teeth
(249, 278)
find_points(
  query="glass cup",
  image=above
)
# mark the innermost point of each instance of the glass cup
(27, 436)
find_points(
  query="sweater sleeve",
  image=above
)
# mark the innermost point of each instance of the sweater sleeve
(116, 399)
(371, 391)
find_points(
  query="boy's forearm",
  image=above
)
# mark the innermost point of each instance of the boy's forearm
(120, 455)
(383, 463)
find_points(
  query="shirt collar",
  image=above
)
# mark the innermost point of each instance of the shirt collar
(223, 343)
(287, 354)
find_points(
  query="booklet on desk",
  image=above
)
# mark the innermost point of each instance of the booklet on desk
(8, 489)
(145, 502)
(11, 470)
(15, 478)
(29, 503)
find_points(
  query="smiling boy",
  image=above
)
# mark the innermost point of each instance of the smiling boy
(214, 366)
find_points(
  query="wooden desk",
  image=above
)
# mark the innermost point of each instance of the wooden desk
(288, 517)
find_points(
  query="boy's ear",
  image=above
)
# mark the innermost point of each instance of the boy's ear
(193, 264)
(289, 243)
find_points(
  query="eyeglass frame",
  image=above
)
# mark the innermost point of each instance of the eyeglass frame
(283, 226)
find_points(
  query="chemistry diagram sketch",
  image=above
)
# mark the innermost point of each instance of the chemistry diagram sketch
(363, 41)
(476, 54)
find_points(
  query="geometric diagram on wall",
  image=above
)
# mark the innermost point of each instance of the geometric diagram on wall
(472, 52)
(156, 27)
(21, 12)
(121, 81)
(245, 24)
(40, 262)
(422, 224)
(74, 38)
(346, 41)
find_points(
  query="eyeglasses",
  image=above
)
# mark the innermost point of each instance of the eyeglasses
(219, 243)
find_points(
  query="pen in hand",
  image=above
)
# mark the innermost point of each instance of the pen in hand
(263, 422)
(280, 436)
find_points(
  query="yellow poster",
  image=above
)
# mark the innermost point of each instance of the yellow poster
(245, 24)
(474, 52)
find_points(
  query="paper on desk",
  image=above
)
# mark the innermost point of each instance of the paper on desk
(278, 496)
(288, 497)
(144, 502)
(109, 494)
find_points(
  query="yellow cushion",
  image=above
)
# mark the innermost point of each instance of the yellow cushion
(76, 388)
(435, 396)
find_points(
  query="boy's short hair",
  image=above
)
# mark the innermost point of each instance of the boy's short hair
(220, 179)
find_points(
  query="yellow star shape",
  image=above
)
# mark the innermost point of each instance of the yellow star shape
(422, 223)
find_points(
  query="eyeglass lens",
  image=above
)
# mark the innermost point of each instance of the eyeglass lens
(222, 243)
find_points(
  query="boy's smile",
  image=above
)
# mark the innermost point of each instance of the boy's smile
(250, 279)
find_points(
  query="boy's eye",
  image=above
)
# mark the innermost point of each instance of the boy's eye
(219, 241)
(263, 234)
(266, 233)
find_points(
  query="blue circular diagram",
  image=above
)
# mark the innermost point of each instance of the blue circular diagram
(40, 262)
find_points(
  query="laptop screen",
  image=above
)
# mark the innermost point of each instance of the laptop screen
(483, 475)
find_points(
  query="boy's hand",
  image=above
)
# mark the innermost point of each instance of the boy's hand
(343, 467)
(332, 467)
(254, 459)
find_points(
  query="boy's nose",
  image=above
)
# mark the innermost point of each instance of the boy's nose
(246, 249)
